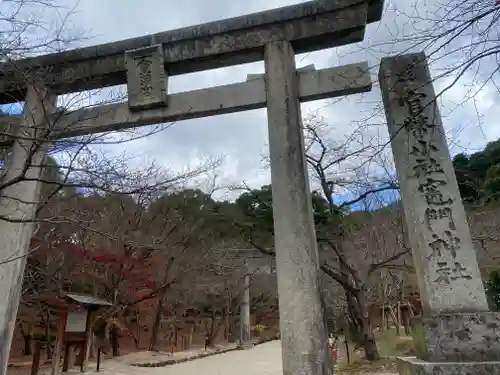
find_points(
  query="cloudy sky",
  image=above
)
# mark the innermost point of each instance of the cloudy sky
(242, 138)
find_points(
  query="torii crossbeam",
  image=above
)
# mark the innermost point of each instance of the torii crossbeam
(144, 64)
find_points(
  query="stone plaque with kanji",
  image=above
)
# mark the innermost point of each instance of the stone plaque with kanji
(146, 78)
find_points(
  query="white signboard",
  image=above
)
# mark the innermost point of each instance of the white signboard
(76, 321)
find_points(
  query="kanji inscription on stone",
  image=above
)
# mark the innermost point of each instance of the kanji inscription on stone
(433, 215)
(442, 248)
(146, 78)
(448, 242)
(446, 272)
(432, 192)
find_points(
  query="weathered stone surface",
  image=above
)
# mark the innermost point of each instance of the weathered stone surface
(305, 69)
(308, 26)
(146, 78)
(18, 203)
(443, 253)
(313, 85)
(302, 324)
(320, 84)
(414, 366)
(460, 337)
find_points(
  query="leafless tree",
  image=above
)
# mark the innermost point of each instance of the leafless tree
(460, 38)
(352, 167)
(338, 165)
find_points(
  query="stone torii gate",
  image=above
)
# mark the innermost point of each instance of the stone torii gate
(145, 63)
(457, 335)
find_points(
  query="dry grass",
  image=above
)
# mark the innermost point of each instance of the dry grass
(361, 366)
(390, 347)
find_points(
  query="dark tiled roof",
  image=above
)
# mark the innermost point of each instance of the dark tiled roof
(87, 300)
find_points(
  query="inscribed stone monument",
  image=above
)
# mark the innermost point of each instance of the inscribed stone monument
(442, 247)
(457, 334)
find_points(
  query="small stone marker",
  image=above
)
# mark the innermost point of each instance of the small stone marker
(146, 78)
(457, 334)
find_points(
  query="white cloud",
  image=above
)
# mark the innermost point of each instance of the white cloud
(242, 137)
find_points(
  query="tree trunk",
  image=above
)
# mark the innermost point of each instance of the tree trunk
(398, 319)
(159, 308)
(47, 335)
(93, 350)
(406, 321)
(137, 344)
(356, 305)
(214, 329)
(211, 332)
(153, 345)
(382, 324)
(28, 340)
(401, 304)
(355, 325)
(352, 311)
(137, 336)
(115, 341)
(361, 330)
(227, 326)
(369, 344)
(361, 319)
(347, 350)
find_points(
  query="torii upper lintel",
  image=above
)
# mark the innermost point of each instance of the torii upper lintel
(310, 26)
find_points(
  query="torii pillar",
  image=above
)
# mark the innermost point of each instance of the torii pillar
(304, 338)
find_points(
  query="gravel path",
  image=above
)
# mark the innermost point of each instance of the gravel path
(260, 360)
(264, 359)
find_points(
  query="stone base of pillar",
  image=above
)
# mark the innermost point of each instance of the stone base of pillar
(415, 366)
(458, 337)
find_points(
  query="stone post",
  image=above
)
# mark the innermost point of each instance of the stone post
(18, 202)
(245, 334)
(303, 330)
(456, 326)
